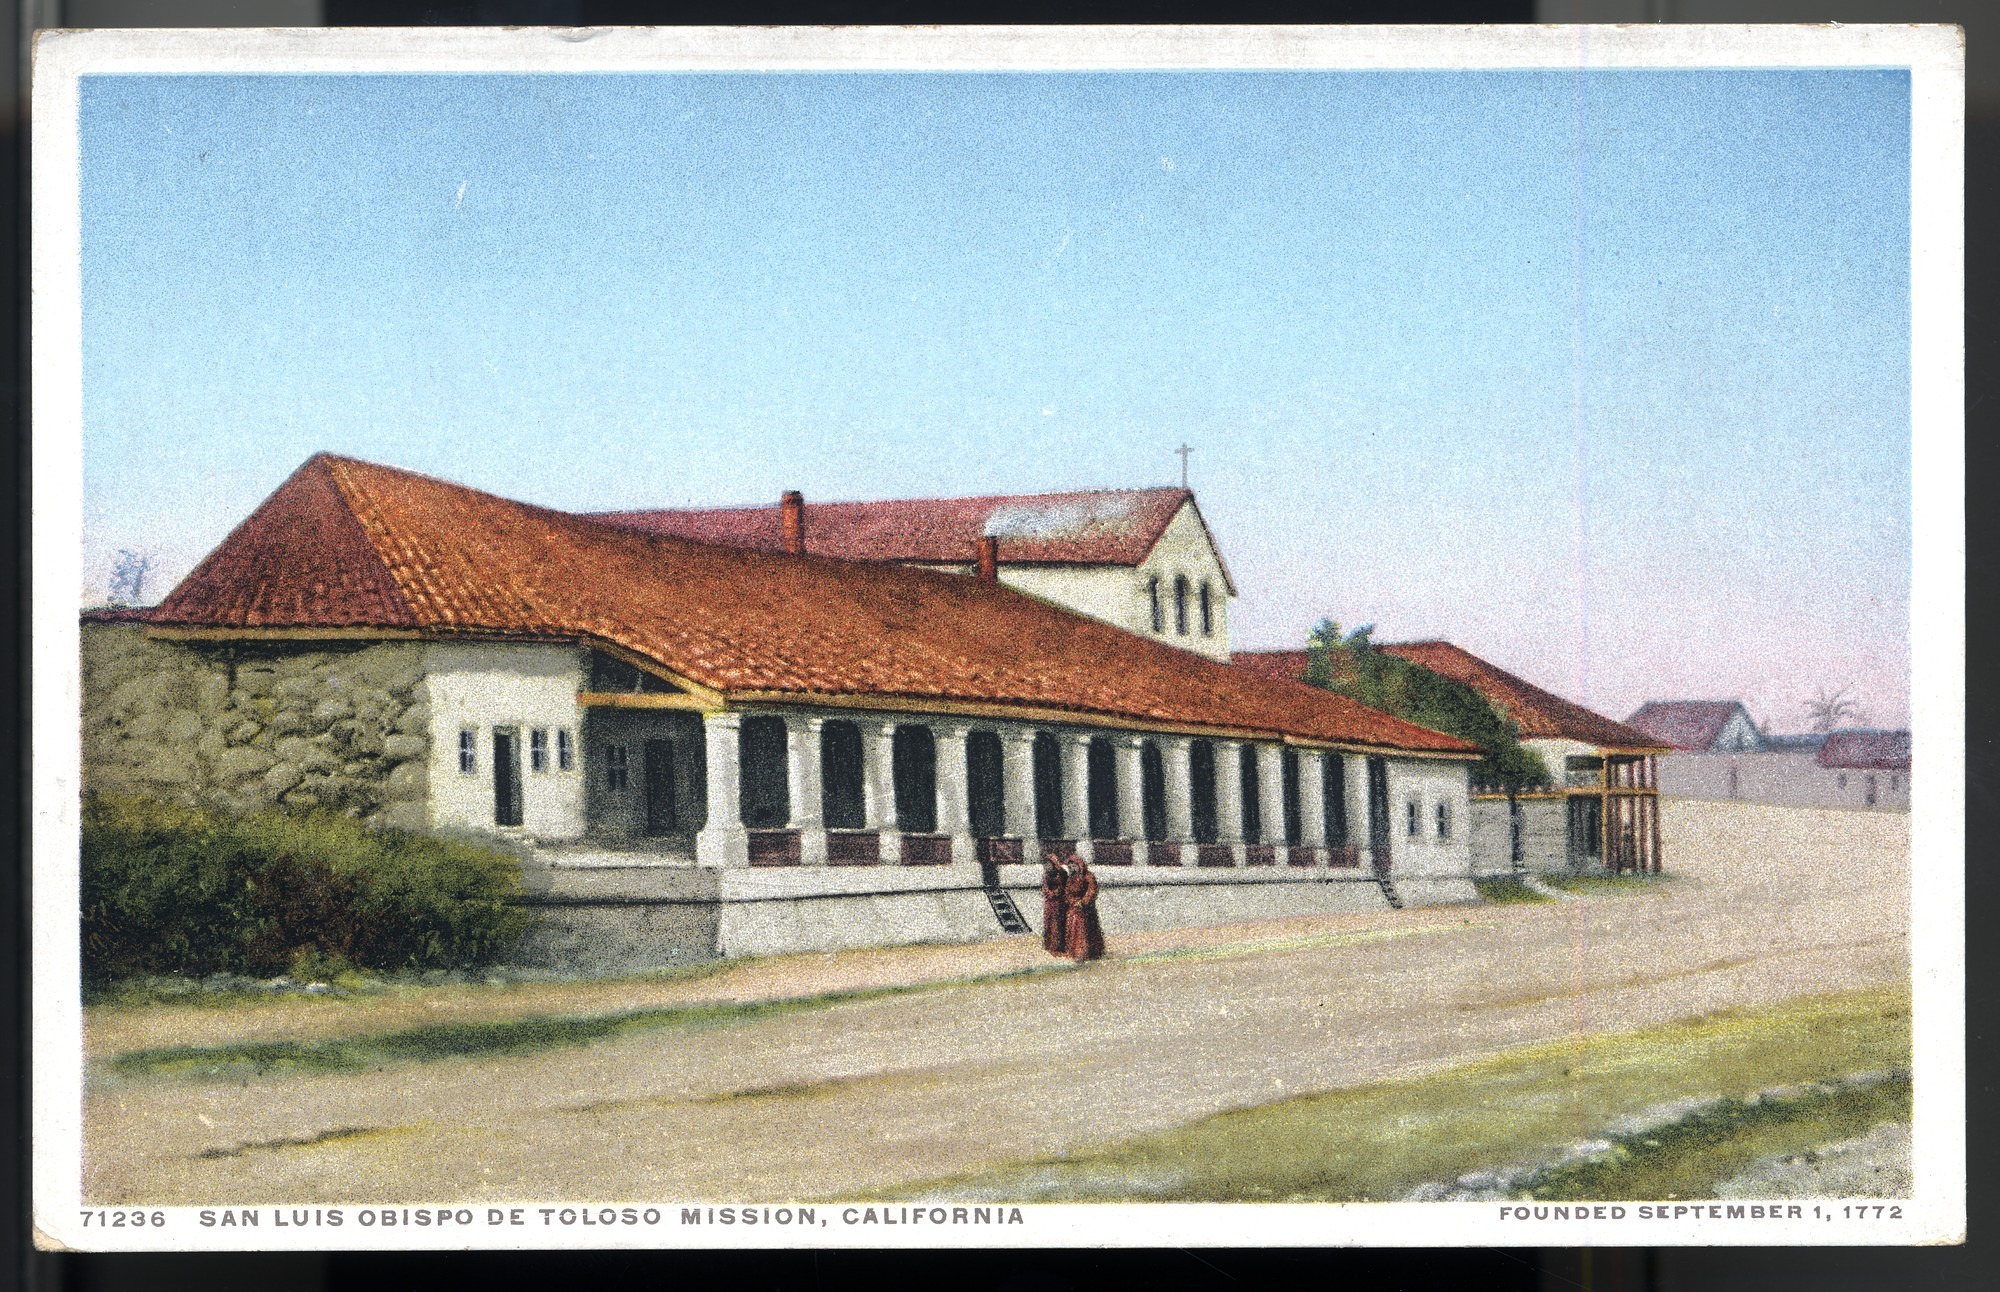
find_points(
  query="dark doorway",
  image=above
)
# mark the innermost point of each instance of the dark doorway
(1201, 788)
(985, 786)
(1153, 791)
(842, 795)
(1048, 786)
(1103, 775)
(1378, 813)
(913, 765)
(506, 776)
(1333, 786)
(1295, 826)
(663, 814)
(1253, 799)
(765, 773)
(1586, 830)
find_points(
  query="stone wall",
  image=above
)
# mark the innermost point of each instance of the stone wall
(241, 727)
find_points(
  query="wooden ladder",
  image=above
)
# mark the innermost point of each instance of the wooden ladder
(1002, 902)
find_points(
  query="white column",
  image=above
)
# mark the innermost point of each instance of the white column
(1357, 803)
(1131, 789)
(1271, 779)
(1229, 796)
(1312, 802)
(954, 806)
(723, 841)
(1176, 752)
(1076, 791)
(802, 736)
(878, 773)
(1017, 780)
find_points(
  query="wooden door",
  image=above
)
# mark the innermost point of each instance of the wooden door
(1378, 813)
(506, 776)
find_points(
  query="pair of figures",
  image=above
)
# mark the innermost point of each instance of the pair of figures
(1069, 908)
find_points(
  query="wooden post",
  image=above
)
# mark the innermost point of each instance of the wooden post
(1657, 850)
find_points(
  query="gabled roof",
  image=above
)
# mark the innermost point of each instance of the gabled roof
(1537, 713)
(1091, 527)
(347, 545)
(1686, 724)
(1887, 751)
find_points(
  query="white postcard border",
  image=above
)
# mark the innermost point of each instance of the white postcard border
(1935, 59)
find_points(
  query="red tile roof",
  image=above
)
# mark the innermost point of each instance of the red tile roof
(1685, 724)
(1887, 751)
(1539, 714)
(1094, 527)
(344, 544)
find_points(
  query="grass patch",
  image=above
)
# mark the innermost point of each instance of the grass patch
(505, 1037)
(1379, 1142)
(1506, 891)
(1598, 884)
(228, 991)
(1691, 1157)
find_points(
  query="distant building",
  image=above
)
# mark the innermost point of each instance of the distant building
(1139, 559)
(1841, 769)
(1601, 811)
(1698, 726)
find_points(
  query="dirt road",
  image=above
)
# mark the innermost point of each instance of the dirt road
(1766, 904)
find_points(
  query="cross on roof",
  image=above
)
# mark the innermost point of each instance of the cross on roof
(1184, 450)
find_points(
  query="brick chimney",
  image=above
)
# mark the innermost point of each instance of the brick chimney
(989, 559)
(793, 510)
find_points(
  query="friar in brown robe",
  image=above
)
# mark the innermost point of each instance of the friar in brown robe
(1085, 939)
(1055, 907)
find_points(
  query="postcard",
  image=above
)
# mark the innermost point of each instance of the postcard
(998, 637)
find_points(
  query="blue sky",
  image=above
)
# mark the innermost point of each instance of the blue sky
(1604, 375)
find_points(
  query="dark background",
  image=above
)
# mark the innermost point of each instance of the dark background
(1602, 1270)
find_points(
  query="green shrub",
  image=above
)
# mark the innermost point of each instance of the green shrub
(179, 890)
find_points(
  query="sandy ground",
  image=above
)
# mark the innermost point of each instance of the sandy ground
(1768, 903)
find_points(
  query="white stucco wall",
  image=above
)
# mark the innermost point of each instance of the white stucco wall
(1737, 733)
(1555, 752)
(1118, 594)
(1780, 778)
(526, 687)
(1429, 783)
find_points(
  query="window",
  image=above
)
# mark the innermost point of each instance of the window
(1201, 789)
(1333, 786)
(565, 750)
(1444, 820)
(616, 775)
(1180, 604)
(1207, 612)
(468, 751)
(1253, 802)
(1840, 781)
(913, 765)
(1896, 782)
(538, 750)
(1288, 762)
(985, 786)
(1414, 818)
(1048, 786)
(841, 794)
(1101, 768)
(1153, 599)
(1153, 791)
(764, 791)
(1868, 791)
(615, 675)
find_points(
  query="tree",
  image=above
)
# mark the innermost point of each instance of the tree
(1350, 665)
(1830, 709)
(128, 577)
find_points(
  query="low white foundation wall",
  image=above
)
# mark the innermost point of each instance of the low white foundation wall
(610, 919)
